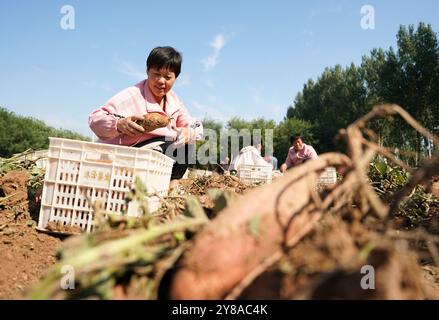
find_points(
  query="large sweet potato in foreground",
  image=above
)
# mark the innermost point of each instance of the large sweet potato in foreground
(243, 235)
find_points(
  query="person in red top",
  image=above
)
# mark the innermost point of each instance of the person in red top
(298, 153)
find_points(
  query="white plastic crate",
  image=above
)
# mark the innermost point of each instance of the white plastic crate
(329, 176)
(255, 173)
(80, 173)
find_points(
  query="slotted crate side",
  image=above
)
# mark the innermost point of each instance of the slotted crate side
(116, 201)
(255, 174)
(84, 219)
(329, 176)
(73, 208)
(79, 172)
(65, 196)
(67, 205)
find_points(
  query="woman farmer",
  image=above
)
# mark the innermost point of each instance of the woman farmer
(118, 120)
(298, 153)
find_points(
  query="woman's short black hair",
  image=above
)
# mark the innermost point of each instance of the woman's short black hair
(165, 57)
(295, 137)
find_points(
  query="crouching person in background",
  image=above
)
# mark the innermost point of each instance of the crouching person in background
(298, 153)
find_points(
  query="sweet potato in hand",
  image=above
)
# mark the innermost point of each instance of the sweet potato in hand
(152, 121)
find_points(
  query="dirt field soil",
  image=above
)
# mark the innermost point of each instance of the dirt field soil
(25, 253)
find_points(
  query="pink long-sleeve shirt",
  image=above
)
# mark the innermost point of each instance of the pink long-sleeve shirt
(294, 158)
(138, 100)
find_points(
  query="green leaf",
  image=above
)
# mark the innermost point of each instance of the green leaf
(381, 167)
(179, 236)
(194, 208)
(221, 199)
(31, 223)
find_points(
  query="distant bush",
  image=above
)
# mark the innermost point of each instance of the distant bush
(387, 179)
(18, 133)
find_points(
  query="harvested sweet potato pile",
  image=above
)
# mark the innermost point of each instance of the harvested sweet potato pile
(152, 121)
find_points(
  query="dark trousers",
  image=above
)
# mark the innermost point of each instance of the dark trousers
(180, 155)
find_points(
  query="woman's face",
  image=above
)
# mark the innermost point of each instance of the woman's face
(160, 82)
(298, 144)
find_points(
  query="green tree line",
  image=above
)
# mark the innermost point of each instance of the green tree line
(407, 76)
(18, 133)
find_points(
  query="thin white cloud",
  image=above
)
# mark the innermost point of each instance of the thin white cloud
(93, 85)
(212, 99)
(217, 43)
(89, 84)
(105, 87)
(278, 110)
(256, 94)
(208, 111)
(313, 13)
(38, 69)
(183, 80)
(61, 122)
(266, 110)
(334, 9)
(210, 83)
(262, 103)
(309, 38)
(113, 30)
(130, 70)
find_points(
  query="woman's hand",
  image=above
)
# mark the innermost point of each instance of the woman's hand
(283, 168)
(129, 126)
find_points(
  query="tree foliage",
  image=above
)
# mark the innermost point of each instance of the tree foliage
(18, 133)
(408, 76)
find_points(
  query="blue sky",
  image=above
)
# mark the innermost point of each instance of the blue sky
(240, 58)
